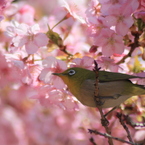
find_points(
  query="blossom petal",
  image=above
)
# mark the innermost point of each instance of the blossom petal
(45, 75)
(31, 47)
(58, 83)
(41, 39)
(49, 62)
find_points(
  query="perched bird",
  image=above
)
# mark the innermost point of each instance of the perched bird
(114, 88)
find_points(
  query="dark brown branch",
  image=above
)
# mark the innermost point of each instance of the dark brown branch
(109, 136)
(120, 117)
(132, 46)
(92, 141)
(99, 102)
(131, 123)
(63, 49)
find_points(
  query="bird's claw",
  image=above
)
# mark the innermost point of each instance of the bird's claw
(104, 122)
(99, 101)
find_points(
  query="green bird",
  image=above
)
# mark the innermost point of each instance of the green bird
(114, 88)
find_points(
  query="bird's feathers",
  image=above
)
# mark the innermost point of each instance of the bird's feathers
(112, 93)
(114, 88)
(105, 76)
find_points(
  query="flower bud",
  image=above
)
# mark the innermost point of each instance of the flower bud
(93, 49)
(55, 38)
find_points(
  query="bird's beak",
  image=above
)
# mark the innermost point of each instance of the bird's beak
(57, 74)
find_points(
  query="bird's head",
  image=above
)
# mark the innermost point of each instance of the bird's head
(74, 75)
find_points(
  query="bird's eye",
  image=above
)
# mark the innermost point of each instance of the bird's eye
(71, 72)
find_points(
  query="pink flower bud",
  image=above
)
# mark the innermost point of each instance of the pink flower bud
(93, 49)
(2, 4)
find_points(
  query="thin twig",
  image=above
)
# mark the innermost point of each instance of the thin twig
(64, 18)
(132, 46)
(110, 111)
(119, 115)
(112, 137)
(131, 123)
(92, 141)
(63, 49)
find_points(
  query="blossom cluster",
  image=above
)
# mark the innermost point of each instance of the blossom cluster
(44, 37)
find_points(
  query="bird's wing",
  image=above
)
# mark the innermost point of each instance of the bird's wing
(105, 76)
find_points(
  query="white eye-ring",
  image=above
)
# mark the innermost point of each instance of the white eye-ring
(71, 72)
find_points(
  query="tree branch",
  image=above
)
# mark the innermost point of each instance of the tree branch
(132, 46)
(99, 102)
(109, 136)
(119, 115)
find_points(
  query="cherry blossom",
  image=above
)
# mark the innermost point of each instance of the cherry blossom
(110, 5)
(107, 64)
(73, 10)
(85, 62)
(9, 74)
(140, 14)
(92, 11)
(110, 42)
(139, 135)
(120, 20)
(25, 15)
(97, 25)
(52, 65)
(28, 36)
(47, 95)
(2, 4)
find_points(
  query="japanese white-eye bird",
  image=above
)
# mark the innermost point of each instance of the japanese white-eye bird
(114, 88)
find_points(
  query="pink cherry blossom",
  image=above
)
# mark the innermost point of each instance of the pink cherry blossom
(140, 14)
(69, 104)
(25, 15)
(28, 36)
(85, 62)
(133, 5)
(141, 5)
(110, 5)
(52, 65)
(50, 96)
(95, 21)
(2, 4)
(120, 19)
(73, 10)
(76, 44)
(47, 95)
(92, 12)
(110, 42)
(139, 135)
(96, 25)
(107, 64)
(9, 74)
